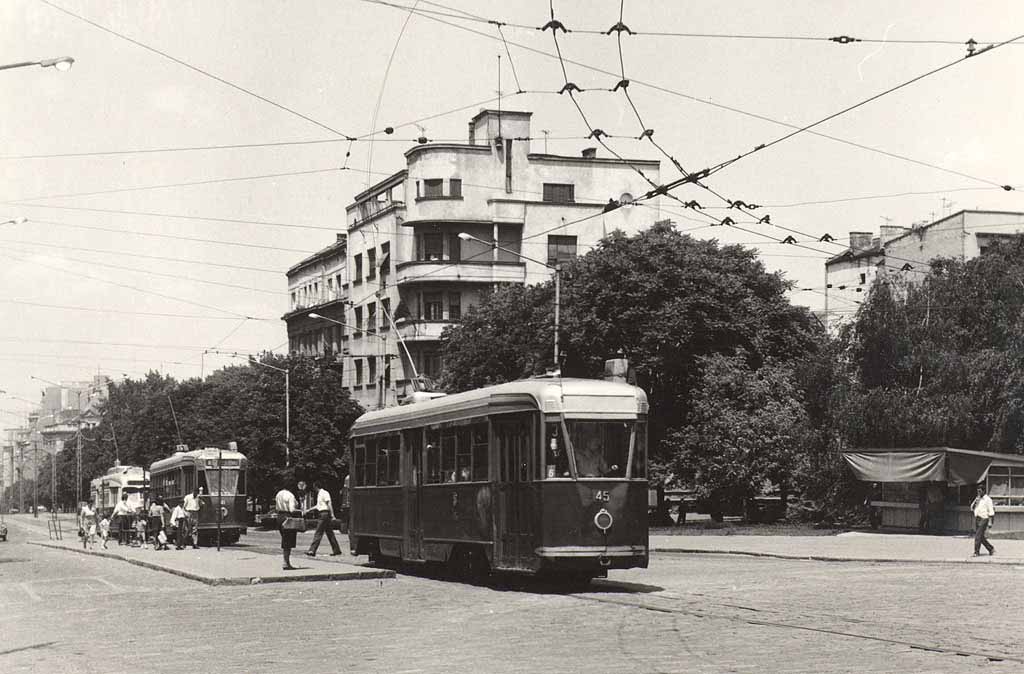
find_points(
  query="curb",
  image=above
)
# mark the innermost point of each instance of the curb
(829, 558)
(224, 581)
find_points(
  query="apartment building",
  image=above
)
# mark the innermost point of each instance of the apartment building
(407, 272)
(907, 251)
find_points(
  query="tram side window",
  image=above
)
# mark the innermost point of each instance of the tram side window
(433, 457)
(363, 463)
(188, 479)
(387, 460)
(242, 474)
(448, 445)
(464, 455)
(640, 452)
(556, 457)
(480, 453)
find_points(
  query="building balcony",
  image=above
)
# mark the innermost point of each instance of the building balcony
(416, 330)
(441, 271)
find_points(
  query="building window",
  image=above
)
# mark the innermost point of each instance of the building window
(385, 259)
(454, 247)
(433, 187)
(358, 264)
(294, 302)
(433, 247)
(454, 306)
(359, 371)
(371, 317)
(455, 188)
(863, 279)
(433, 306)
(561, 249)
(431, 364)
(371, 364)
(359, 319)
(385, 311)
(1006, 485)
(371, 264)
(560, 193)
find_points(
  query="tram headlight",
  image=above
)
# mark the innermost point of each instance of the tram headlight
(603, 520)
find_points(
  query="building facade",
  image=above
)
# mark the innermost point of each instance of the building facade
(907, 252)
(408, 272)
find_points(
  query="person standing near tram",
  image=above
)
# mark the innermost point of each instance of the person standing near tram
(984, 516)
(123, 516)
(286, 505)
(193, 504)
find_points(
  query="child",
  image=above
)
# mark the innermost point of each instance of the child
(104, 532)
(140, 530)
(161, 540)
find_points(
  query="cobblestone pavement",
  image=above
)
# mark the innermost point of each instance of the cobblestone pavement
(702, 613)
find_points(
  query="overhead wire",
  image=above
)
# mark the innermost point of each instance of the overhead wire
(697, 99)
(197, 69)
(71, 307)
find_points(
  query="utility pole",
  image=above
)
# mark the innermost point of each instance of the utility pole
(35, 476)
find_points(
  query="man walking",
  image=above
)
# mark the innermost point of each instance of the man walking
(193, 504)
(180, 522)
(325, 510)
(984, 516)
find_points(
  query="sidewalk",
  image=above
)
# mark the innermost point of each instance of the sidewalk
(229, 566)
(848, 547)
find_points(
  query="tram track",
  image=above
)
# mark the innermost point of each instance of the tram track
(701, 607)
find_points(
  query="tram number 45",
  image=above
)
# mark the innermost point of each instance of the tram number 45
(602, 496)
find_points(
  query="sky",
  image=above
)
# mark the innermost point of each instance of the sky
(156, 242)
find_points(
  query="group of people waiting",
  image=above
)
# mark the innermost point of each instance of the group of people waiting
(157, 525)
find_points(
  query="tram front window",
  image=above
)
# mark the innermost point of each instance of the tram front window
(601, 447)
(228, 479)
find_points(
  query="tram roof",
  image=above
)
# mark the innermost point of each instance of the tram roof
(575, 398)
(195, 456)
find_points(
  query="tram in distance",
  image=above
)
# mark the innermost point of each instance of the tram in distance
(220, 474)
(545, 476)
(106, 490)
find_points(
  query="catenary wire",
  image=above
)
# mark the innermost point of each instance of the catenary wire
(70, 307)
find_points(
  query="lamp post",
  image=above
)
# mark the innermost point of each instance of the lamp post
(61, 63)
(287, 407)
(557, 268)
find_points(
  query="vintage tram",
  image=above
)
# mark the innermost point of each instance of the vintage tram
(106, 491)
(220, 475)
(545, 476)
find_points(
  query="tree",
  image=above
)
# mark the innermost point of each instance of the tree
(662, 298)
(746, 430)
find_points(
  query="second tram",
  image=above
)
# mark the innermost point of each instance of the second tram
(547, 475)
(106, 490)
(221, 477)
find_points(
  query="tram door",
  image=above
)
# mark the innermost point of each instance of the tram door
(513, 516)
(412, 478)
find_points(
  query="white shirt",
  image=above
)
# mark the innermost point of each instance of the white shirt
(178, 514)
(285, 502)
(323, 501)
(122, 508)
(983, 507)
(192, 503)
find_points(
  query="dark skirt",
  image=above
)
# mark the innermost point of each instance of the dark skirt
(288, 536)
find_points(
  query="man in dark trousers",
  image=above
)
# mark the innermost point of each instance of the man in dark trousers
(325, 511)
(984, 515)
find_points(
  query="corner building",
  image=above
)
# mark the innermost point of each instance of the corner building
(404, 257)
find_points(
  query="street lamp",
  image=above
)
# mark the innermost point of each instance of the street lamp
(287, 407)
(61, 63)
(557, 268)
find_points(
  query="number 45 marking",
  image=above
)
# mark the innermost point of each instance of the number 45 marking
(602, 496)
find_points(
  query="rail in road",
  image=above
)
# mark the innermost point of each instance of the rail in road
(700, 606)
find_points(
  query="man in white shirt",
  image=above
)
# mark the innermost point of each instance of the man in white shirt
(179, 520)
(123, 517)
(984, 515)
(286, 505)
(193, 504)
(325, 511)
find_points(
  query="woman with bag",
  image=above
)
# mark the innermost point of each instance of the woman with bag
(289, 519)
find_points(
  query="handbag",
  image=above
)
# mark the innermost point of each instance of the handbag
(293, 524)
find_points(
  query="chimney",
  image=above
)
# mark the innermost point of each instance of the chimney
(860, 241)
(890, 232)
(589, 153)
